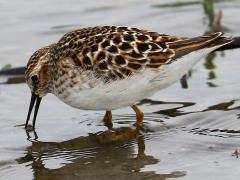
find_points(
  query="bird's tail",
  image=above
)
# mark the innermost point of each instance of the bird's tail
(185, 46)
(219, 42)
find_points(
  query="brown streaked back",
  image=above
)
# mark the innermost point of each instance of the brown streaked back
(119, 52)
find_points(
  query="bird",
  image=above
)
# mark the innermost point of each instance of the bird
(104, 68)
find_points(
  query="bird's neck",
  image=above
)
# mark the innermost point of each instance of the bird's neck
(52, 64)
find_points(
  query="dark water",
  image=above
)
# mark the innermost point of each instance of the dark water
(191, 128)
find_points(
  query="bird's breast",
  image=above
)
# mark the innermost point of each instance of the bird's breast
(94, 94)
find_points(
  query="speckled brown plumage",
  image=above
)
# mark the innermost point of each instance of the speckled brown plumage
(108, 67)
(119, 52)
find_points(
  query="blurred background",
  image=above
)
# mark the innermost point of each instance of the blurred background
(193, 126)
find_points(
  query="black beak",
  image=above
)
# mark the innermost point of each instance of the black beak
(34, 98)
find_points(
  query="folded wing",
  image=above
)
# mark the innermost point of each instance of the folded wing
(119, 52)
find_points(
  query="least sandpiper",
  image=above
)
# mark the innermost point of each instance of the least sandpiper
(109, 67)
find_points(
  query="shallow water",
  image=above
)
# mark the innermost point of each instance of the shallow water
(191, 130)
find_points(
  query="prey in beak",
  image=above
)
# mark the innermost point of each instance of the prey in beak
(37, 99)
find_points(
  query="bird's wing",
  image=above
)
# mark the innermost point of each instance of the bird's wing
(120, 52)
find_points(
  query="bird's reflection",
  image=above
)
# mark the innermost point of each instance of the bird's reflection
(118, 152)
(103, 155)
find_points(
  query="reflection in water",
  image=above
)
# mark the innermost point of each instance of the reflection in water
(176, 111)
(121, 154)
(183, 82)
(114, 153)
(225, 106)
(223, 132)
(210, 65)
(92, 157)
(172, 112)
(208, 6)
(213, 24)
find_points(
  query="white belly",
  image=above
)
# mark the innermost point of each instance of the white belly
(132, 90)
(111, 96)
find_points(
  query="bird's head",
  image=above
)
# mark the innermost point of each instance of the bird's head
(38, 73)
(38, 77)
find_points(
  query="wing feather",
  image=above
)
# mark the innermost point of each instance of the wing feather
(120, 52)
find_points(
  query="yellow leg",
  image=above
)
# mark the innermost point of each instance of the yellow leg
(108, 119)
(139, 115)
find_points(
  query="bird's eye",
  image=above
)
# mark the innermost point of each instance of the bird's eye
(34, 78)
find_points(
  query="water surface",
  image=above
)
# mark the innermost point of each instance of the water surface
(191, 129)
